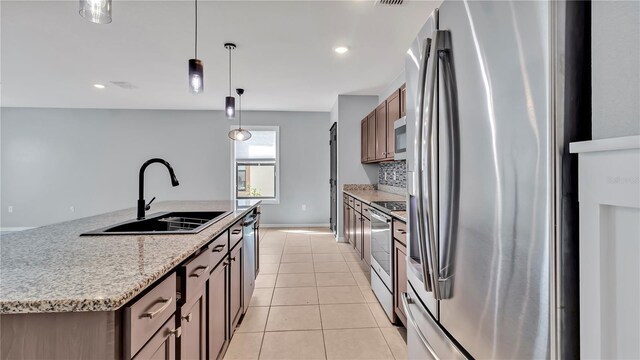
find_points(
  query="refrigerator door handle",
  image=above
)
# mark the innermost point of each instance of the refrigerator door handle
(450, 159)
(427, 187)
(406, 300)
(422, 251)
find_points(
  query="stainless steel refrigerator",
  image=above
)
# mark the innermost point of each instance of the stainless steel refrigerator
(495, 91)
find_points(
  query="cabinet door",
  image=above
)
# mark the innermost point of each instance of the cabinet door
(235, 288)
(358, 233)
(381, 131)
(403, 100)
(345, 220)
(162, 345)
(353, 222)
(192, 344)
(218, 292)
(393, 114)
(363, 140)
(400, 280)
(371, 137)
(366, 240)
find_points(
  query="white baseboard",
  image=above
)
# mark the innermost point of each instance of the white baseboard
(294, 225)
(12, 229)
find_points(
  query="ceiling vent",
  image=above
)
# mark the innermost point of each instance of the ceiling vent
(390, 2)
(124, 85)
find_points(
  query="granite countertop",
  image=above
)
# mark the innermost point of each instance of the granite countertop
(53, 269)
(368, 196)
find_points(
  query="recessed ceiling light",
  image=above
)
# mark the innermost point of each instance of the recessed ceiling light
(98, 86)
(341, 49)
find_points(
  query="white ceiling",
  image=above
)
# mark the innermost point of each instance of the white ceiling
(51, 56)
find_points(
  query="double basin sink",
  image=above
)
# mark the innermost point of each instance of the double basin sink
(177, 222)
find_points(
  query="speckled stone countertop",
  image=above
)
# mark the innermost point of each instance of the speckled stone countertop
(54, 269)
(368, 196)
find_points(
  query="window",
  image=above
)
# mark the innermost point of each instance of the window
(256, 166)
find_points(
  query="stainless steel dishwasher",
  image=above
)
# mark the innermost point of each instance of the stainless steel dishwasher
(249, 256)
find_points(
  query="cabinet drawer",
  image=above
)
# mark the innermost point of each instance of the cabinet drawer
(351, 201)
(218, 249)
(365, 210)
(235, 234)
(400, 231)
(358, 206)
(194, 275)
(148, 314)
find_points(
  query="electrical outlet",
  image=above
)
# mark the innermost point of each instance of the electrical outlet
(304, 207)
(10, 209)
(72, 208)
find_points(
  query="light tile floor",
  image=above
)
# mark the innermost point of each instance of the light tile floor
(313, 300)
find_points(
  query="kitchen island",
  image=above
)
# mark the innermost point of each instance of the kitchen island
(63, 295)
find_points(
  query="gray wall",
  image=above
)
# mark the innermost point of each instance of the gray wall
(349, 110)
(56, 158)
(615, 54)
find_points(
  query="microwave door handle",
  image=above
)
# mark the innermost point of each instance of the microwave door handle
(419, 194)
(431, 249)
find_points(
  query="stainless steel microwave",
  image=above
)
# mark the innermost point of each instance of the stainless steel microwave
(400, 134)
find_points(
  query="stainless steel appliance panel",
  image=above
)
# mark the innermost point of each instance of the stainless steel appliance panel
(400, 142)
(493, 138)
(425, 338)
(381, 239)
(249, 257)
(415, 65)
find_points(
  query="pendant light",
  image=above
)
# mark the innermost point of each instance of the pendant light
(96, 11)
(230, 101)
(239, 134)
(196, 69)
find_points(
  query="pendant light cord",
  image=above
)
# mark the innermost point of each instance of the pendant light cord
(229, 71)
(196, 22)
(239, 111)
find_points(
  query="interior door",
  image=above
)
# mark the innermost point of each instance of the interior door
(494, 243)
(333, 178)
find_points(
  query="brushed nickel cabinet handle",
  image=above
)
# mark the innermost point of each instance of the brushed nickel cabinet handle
(233, 258)
(177, 332)
(197, 272)
(152, 314)
(218, 248)
(236, 231)
(188, 317)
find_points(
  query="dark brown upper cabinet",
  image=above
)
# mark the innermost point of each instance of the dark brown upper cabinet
(363, 140)
(371, 136)
(377, 132)
(393, 114)
(381, 131)
(403, 100)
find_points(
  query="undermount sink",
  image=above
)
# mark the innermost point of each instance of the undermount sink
(177, 222)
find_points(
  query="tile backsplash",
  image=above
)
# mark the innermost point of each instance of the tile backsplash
(393, 174)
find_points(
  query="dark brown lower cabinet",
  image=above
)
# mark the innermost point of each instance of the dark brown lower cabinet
(162, 345)
(358, 233)
(192, 343)
(346, 221)
(366, 240)
(353, 225)
(218, 319)
(400, 279)
(235, 287)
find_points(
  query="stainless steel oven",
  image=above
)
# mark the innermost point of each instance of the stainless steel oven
(400, 139)
(381, 255)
